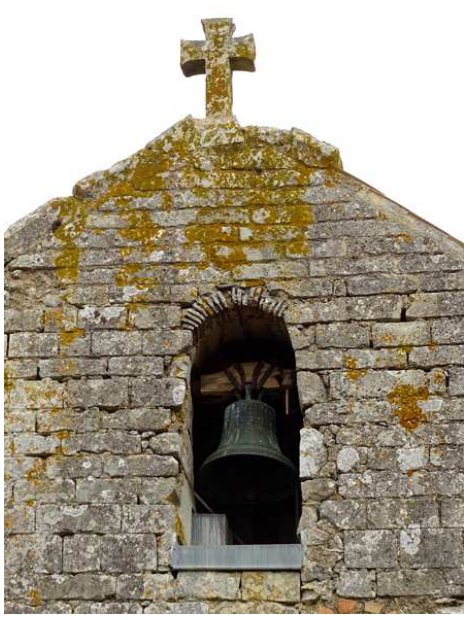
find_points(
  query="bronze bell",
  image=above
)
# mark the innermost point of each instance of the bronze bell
(248, 467)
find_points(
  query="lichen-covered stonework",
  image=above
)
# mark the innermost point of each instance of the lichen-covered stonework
(108, 290)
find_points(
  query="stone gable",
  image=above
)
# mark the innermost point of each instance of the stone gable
(110, 290)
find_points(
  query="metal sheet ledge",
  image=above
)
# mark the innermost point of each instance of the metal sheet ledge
(237, 557)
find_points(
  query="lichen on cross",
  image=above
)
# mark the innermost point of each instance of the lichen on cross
(217, 57)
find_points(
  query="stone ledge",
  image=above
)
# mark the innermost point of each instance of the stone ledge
(238, 557)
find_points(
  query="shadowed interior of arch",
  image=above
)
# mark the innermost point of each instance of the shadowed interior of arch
(246, 337)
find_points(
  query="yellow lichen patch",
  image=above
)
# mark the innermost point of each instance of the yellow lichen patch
(34, 598)
(405, 398)
(407, 238)
(8, 383)
(231, 237)
(432, 345)
(353, 373)
(71, 214)
(179, 529)
(66, 338)
(406, 348)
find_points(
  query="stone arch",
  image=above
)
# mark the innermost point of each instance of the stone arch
(242, 325)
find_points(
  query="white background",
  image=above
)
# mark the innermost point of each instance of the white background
(89, 82)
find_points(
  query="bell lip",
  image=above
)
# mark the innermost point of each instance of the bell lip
(225, 453)
(277, 498)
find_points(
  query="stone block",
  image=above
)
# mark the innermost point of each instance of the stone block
(149, 392)
(207, 585)
(346, 514)
(32, 344)
(17, 467)
(44, 491)
(356, 584)
(403, 513)
(166, 342)
(318, 565)
(60, 319)
(377, 283)
(452, 512)
(447, 331)
(18, 519)
(135, 366)
(317, 489)
(348, 412)
(382, 458)
(116, 343)
(151, 317)
(36, 445)
(413, 458)
(158, 491)
(43, 394)
(145, 587)
(20, 369)
(78, 466)
(431, 548)
(424, 582)
(381, 307)
(75, 518)
(138, 419)
(436, 355)
(32, 553)
(147, 519)
(116, 442)
(140, 465)
(81, 553)
(282, 587)
(14, 607)
(357, 485)
(401, 334)
(370, 549)
(430, 305)
(129, 553)
(447, 457)
(177, 608)
(441, 280)
(374, 383)
(106, 491)
(76, 587)
(313, 453)
(111, 607)
(311, 388)
(50, 421)
(19, 421)
(167, 443)
(22, 320)
(343, 335)
(98, 392)
(108, 317)
(456, 381)
(72, 367)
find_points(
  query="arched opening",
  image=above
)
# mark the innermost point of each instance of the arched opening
(245, 351)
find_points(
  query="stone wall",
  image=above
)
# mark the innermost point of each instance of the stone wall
(107, 292)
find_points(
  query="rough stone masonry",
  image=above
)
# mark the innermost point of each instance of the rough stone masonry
(108, 290)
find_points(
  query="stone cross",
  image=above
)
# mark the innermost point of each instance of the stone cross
(217, 57)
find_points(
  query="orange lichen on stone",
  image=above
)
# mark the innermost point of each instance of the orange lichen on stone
(354, 373)
(36, 472)
(347, 606)
(406, 399)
